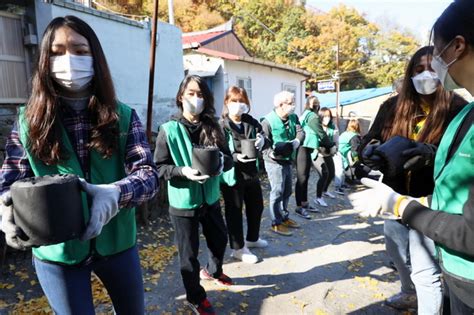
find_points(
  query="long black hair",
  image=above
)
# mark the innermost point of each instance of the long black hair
(211, 132)
(309, 101)
(457, 19)
(42, 111)
(408, 103)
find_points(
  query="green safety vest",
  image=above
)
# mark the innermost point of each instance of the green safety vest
(279, 132)
(229, 177)
(345, 146)
(311, 137)
(116, 236)
(185, 194)
(451, 191)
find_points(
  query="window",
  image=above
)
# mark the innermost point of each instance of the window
(245, 83)
(288, 87)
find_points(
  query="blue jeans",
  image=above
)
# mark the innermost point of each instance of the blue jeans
(396, 244)
(338, 170)
(68, 288)
(280, 183)
(413, 256)
(425, 273)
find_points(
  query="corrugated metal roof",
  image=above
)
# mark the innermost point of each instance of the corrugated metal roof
(200, 38)
(350, 97)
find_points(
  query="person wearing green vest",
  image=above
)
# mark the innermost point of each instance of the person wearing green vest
(447, 216)
(349, 142)
(73, 124)
(315, 137)
(241, 184)
(283, 129)
(325, 156)
(194, 197)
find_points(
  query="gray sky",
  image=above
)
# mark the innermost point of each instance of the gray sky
(417, 16)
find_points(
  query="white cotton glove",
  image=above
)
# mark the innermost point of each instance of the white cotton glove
(379, 198)
(104, 207)
(193, 174)
(8, 226)
(295, 143)
(260, 142)
(241, 158)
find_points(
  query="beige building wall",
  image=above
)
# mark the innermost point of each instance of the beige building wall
(365, 110)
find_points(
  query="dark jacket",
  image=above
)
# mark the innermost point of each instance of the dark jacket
(249, 128)
(415, 183)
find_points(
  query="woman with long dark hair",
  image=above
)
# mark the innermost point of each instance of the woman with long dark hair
(241, 184)
(74, 124)
(423, 111)
(194, 197)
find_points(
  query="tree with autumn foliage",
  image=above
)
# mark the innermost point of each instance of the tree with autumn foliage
(286, 31)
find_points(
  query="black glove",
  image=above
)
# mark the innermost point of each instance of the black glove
(370, 159)
(423, 154)
(283, 149)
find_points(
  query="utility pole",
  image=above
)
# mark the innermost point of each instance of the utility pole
(151, 77)
(338, 82)
(170, 12)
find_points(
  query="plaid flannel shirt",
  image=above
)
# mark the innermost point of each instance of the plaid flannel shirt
(141, 182)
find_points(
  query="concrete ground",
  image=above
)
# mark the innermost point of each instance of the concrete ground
(334, 264)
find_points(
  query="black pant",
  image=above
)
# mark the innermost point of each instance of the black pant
(331, 171)
(303, 167)
(457, 306)
(186, 237)
(246, 191)
(323, 172)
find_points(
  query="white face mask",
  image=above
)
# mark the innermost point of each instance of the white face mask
(326, 121)
(290, 109)
(194, 105)
(426, 82)
(441, 68)
(237, 109)
(72, 72)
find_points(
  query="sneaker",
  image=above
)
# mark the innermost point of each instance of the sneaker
(260, 243)
(290, 223)
(402, 301)
(339, 191)
(321, 202)
(328, 194)
(311, 208)
(303, 213)
(245, 255)
(202, 308)
(281, 229)
(222, 279)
